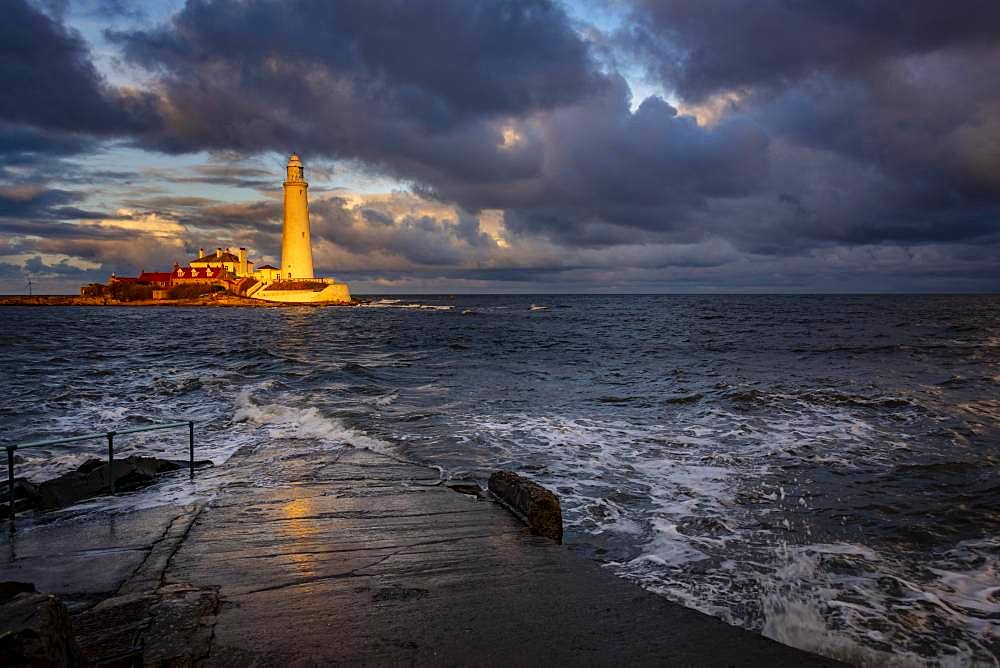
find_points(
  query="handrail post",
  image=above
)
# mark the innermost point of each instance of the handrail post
(111, 461)
(110, 435)
(10, 482)
(191, 445)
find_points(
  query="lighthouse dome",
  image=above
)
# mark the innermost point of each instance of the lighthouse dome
(294, 169)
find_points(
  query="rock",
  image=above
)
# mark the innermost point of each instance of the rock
(35, 631)
(24, 496)
(89, 480)
(472, 489)
(11, 588)
(537, 506)
(111, 630)
(181, 631)
(171, 626)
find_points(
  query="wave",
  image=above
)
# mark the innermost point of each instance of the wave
(398, 303)
(283, 422)
(825, 597)
(818, 397)
(690, 511)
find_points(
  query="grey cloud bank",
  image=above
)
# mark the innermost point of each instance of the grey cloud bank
(804, 146)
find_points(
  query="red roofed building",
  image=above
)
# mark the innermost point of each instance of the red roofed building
(115, 278)
(213, 275)
(159, 279)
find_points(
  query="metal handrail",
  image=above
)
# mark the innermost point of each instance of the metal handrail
(110, 436)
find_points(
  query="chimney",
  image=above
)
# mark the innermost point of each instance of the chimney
(218, 253)
(243, 262)
(201, 253)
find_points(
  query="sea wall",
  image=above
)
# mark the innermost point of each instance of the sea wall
(537, 506)
(333, 292)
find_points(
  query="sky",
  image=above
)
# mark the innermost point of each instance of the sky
(509, 146)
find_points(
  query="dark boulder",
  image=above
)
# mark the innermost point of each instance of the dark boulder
(35, 630)
(25, 493)
(90, 480)
(537, 506)
(11, 588)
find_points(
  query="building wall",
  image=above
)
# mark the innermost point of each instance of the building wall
(209, 262)
(233, 267)
(267, 275)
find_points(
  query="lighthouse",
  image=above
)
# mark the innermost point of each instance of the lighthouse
(296, 246)
(294, 282)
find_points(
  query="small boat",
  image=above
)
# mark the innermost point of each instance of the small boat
(538, 307)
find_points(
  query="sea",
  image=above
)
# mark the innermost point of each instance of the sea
(822, 469)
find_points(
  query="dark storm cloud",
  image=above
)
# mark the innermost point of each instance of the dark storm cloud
(30, 202)
(611, 175)
(441, 59)
(705, 46)
(503, 108)
(417, 239)
(111, 9)
(43, 229)
(412, 87)
(264, 215)
(885, 113)
(36, 265)
(221, 174)
(20, 145)
(49, 82)
(568, 161)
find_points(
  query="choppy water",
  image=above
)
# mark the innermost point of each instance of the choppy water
(824, 469)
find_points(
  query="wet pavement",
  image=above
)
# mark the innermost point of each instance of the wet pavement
(348, 556)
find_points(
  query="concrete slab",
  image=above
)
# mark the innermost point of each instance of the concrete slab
(340, 556)
(361, 559)
(75, 558)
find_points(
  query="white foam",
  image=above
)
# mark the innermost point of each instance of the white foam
(284, 421)
(397, 303)
(384, 400)
(669, 547)
(849, 614)
(699, 545)
(800, 624)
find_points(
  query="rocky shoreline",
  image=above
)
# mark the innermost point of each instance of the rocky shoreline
(345, 556)
(213, 299)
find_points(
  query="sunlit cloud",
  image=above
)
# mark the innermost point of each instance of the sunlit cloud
(511, 138)
(710, 110)
(150, 224)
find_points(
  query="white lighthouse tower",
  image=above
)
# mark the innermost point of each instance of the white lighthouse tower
(296, 246)
(295, 282)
